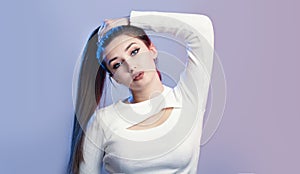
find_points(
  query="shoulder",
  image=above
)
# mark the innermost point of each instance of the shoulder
(106, 114)
(105, 109)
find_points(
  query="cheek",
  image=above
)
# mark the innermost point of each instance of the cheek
(152, 74)
(146, 62)
(123, 78)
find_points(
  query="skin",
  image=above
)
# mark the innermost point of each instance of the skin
(124, 49)
(141, 90)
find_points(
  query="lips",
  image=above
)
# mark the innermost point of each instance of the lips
(138, 76)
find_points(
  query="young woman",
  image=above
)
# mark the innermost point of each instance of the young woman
(157, 129)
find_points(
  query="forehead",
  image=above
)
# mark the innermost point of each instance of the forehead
(118, 45)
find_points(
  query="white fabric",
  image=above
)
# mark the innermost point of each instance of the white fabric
(173, 146)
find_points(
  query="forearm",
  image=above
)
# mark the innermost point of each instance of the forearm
(178, 24)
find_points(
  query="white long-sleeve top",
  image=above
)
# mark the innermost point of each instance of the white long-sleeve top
(174, 145)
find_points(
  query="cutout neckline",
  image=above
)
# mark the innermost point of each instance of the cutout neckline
(155, 122)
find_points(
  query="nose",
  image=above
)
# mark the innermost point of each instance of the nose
(131, 64)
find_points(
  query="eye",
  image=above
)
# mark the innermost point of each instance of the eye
(134, 52)
(117, 65)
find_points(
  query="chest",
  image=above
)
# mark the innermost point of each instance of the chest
(169, 160)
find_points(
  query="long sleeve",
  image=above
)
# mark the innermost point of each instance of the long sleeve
(197, 32)
(92, 148)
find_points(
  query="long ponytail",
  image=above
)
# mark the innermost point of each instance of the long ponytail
(89, 91)
(90, 87)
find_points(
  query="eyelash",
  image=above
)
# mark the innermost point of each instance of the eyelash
(133, 53)
(117, 65)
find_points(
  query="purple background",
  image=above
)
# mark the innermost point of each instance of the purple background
(257, 42)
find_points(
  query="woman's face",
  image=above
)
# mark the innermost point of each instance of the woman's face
(130, 61)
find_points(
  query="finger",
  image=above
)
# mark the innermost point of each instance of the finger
(102, 29)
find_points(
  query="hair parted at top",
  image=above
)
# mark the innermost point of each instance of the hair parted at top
(111, 34)
(91, 85)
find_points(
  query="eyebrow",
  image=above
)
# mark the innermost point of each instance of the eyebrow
(111, 60)
(124, 50)
(129, 46)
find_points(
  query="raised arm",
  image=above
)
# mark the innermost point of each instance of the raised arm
(197, 32)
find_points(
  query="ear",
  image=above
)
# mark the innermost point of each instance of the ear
(153, 51)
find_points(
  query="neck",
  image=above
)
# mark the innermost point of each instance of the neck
(151, 90)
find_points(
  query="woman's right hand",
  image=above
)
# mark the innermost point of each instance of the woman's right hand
(108, 24)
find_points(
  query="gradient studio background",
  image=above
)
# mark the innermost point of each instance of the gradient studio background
(257, 42)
